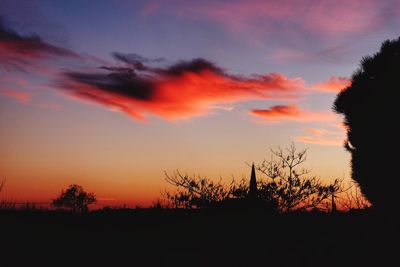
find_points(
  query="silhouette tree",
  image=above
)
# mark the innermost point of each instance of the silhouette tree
(289, 185)
(75, 199)
(370, 108)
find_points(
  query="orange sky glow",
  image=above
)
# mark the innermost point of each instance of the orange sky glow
(112, 100)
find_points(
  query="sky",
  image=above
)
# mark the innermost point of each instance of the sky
(112, 94)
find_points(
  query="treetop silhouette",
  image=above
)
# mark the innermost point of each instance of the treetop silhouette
(371, 115)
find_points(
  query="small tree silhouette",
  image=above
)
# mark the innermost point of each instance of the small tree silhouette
(74, 199)
(290, 186)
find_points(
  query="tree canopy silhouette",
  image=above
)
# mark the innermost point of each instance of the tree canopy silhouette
(370, 107)
(74, 199)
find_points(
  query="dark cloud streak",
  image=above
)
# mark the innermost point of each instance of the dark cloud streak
(17, 50)
(118, 82)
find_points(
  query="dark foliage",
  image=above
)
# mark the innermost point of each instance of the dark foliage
(370, 107)
(74, 199)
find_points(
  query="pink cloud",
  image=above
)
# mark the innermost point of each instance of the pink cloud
(330, 54)
(286, 54)
(321, 140)
(314, 132)
(47, 105)
(283, 17)
(19, 96)
(334, 84)
(335, 136)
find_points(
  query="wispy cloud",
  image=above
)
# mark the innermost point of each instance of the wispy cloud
(47, 105)
(334, 84)
(290, 113)
(292, 54)
(278, 18)
(305, 31)
(17, 95)
(329, 136)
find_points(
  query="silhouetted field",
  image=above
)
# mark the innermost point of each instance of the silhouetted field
(152, 237)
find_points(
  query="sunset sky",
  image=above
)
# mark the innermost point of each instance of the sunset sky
(110, 94)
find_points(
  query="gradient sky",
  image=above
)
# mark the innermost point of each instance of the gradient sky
(110, 94)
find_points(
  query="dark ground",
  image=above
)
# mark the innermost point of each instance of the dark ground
(151, 237)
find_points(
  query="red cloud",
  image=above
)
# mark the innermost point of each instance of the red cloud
(181, 91)
(22, 97)
(292, 113)
(278, 112)
(334, 84)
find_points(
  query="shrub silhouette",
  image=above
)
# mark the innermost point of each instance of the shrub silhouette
(199, 192)
(74, 199)
(286, 189)
(370, 107)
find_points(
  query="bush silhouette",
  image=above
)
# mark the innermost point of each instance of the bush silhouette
(370, 107)
(287, 188)
(74, 199)
(199, 192)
